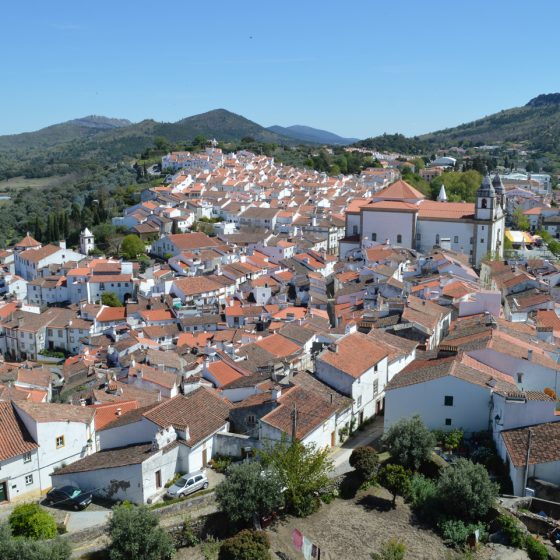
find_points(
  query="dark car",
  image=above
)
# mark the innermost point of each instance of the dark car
(68, 496)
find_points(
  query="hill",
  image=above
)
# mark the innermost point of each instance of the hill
(312, 135)
(60, 133)
(537, 124)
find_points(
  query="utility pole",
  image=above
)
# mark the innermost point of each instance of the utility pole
(294, 423)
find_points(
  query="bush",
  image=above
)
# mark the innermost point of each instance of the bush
(391, 550)
(511, 529)
(466, 491)
(395, 479)
(221, 463)
(365, 461)
(187, 536)
(246, 545)
(409, 442)
(12, 548)
(248, 490)
(455, 532)
(423, 498)
(110, 299)
(136, 535)
(536, 549)
(32, 522)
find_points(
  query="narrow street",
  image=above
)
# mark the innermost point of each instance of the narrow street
(341, 455)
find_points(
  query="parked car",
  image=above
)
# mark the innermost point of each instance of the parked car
(68, 496)
(188, 484)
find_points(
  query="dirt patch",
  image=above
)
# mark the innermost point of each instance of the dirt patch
(353, 528)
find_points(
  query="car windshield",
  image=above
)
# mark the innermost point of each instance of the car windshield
(182, 481)
(71, 491)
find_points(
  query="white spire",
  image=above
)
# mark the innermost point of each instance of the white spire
(442, 196)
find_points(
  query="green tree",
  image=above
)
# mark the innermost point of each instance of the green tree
(365, 461)
(37, 232)
(33, 522)
(304, 471)
(396, 479)
(110, 299)
(452, 439)
(132, 246)
(136, 535)
(520, 221)
(248, 491)
(200, 140)
(466, 491)
(409, 442)
(459, 186)
(19, 548)
(390, 550)
(246, 545)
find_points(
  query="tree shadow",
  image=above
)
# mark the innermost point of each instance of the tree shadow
(375, 503)
(350, 485)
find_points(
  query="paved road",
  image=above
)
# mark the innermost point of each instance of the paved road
(341, 456)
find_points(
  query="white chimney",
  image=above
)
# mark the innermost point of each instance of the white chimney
(276, 392)
(530, 355)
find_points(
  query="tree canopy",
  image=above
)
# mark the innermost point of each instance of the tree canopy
(409, 442)
(459, 186)
(132, 246)
(248, 491)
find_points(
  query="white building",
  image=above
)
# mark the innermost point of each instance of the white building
(87, 242)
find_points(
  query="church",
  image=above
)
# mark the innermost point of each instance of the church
(401, 216)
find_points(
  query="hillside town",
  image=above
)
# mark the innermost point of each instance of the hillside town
(279, 303)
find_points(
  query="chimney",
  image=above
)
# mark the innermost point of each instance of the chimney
(62, 244)
(118, 411)
(276, 392)
(187, 433)
(530, 355)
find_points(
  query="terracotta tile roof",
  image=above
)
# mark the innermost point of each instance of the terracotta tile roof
(545, 444)
(193, 285)
(106, 413)
(399, 190)
(114, 458)
(278, 345)
(157, 315)
(548, 318)
(446, 210)
(35, 255)
(109, 314)
(15, 440)
(153, 375)
(223, 373)
(202, 411)
(28, 241)
(194, 240)
(53, 412)
(354, 354)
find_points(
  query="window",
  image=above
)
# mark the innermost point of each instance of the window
(375, 387)
(27, 457)
(484, 203)
(251, 419)
(448, 401)
(519, 378)
(29, 479)
(59, 442)
(448, 421)
(456, 239)
(354, 230)
(359, 401)
(482, 240)
(482, 228)
(472, 240)
(437, 238)
(374, 236)
(399, 238)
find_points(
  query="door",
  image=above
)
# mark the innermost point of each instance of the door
(204, 458)
(361, 418)
(3, 492)
(158, 479)
(333, 439)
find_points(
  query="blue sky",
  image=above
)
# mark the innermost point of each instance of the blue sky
(357, 68)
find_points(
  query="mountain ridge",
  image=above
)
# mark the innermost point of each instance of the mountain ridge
(314, 135)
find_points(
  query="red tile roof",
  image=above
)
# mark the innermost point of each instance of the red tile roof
(15, 440)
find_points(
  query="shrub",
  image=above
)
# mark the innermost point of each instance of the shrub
(12, 548)
(391, 550)
(220, 463)
(110, 299)
(409, 442)
(365, 461)
(188, 536)
(33, 522)
(455, 532)
(466, 491)
(510, 528)
(535, 549)
(248, 490)
(136, 535)
(246, 545)
(422, 496)
(396, 479)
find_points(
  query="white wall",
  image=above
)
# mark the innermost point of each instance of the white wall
(428, 229)
(13, 472)
(128, 434)
(387, 225)
(470, 410)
